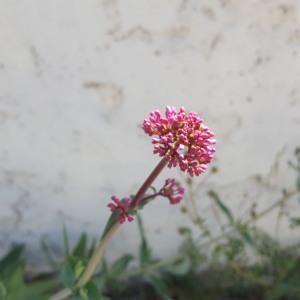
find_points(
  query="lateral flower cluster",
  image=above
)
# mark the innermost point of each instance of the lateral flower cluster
(182, 137)
(172, 190)
(123, 207)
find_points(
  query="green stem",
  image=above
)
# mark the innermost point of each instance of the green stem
(281, 201)
(97, 256)
(63, 294)
(107, 236)
(92, 264)
(263, 213)
(99, 251)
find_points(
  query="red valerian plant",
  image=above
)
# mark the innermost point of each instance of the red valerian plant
(181, 139)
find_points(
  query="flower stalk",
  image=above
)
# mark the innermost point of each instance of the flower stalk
(100, 249)
(97, 256)
(148, 182)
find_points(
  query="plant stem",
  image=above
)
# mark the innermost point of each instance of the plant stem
(279, 202)
(260, 215)
(97, 256)
(100, 249)
(143, 189)
(193, 211)
(92, 264)
(63, 294)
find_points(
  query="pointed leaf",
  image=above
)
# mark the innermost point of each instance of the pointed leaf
(120, 265)
(92, 291)
(181, 266)
(159, 286)
(298, 182)
(66, 243)
(245, 234)
(78, 269)
(113, 219)
(11, 258)
(68, 275)
(145, 255)
(222, 206)
(80, 248)
(3, 291)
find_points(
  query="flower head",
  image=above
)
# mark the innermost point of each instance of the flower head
(182, 137)
(123, 207)
(172, 190)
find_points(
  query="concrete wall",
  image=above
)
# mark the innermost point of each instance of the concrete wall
(78, 77)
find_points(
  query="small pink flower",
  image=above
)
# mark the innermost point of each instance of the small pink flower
(123, 207)
(172, 190)
(182, 137)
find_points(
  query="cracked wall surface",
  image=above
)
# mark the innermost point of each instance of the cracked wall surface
(78, 77)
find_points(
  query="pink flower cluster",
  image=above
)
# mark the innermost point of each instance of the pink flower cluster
(182, 137)
(123, 207)
(172, 190)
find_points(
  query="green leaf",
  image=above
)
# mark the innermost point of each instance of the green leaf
(12, 284)
(41, 290)
(245, 234)
(295, 222)
(80, 248)
(92, 291)
(11, 259)
(159, 286)
(16, 281)
(89, 292)
(76, 296)
(68, 275)
(110, 223)
(145, 255)
(66, 243)
(120, 265)
(83, 293)
(181, 267)
(91, 249)
(3, 291)
(182, 230)
(101, 283)
(222, 206)
(298, 182)
(78, 269)
(104, 268)
(48, 254)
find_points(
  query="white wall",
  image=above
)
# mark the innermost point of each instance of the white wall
(78, 77)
